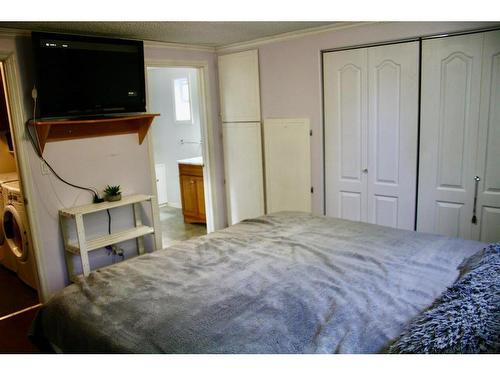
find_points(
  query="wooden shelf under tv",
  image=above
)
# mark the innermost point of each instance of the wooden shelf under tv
(61, 130)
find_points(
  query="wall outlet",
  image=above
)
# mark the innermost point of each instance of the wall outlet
(45, 169)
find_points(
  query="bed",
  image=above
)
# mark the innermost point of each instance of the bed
(281, 283)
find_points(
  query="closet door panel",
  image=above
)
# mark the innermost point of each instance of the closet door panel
(392, 134)
(287, 164)
(451, 75)
(243, 171)
(489, 224)
(345, 82)
(487, 228)
(239, 86)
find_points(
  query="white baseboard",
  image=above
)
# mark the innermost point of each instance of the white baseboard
(174, 204)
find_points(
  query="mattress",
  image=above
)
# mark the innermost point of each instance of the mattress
(281, 283)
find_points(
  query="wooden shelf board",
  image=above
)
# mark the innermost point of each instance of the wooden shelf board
(61, 130)
(100, 242)
(96, 207)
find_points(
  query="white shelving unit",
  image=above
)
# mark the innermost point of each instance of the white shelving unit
(81, 246)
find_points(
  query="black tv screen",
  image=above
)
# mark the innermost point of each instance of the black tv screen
(80, 75)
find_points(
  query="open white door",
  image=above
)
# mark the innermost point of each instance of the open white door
(161, 183)
(287, 155)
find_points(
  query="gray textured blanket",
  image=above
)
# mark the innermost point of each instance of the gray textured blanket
(285, 283)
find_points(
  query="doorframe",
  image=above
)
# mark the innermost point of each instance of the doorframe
(208, 150)
(21, 145)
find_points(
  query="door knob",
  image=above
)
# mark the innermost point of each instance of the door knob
(365, 170)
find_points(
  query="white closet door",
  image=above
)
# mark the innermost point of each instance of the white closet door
(243, 171)
(161, 183)
(451, 76)
(239, 86)
(288, 165)
(392, 134)
(487, 228)
(345, 101)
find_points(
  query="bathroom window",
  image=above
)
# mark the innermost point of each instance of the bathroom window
(182, 95)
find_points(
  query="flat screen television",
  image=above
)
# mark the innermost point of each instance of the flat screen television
(78, 76)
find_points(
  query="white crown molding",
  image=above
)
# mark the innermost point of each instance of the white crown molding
(9, 32)
(12, 33)
(192, 47)
(288, 36)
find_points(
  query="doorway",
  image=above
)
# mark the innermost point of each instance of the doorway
(177, 142)
(18, 276)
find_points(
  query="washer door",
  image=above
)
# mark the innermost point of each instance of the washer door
(15, 234)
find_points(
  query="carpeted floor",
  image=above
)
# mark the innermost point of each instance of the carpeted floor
(14, 294)
(174, 229)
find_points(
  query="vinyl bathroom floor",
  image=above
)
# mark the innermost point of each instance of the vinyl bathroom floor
(174, 229)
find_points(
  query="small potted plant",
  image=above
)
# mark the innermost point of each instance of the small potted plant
(112, 193)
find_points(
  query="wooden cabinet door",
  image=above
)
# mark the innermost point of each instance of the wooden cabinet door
(188, 195)
(200, 197)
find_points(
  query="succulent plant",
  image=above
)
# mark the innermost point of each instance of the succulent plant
(112, 190)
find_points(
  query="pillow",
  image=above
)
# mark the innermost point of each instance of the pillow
(466, 318)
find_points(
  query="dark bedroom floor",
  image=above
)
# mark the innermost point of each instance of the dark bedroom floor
(174, 229)
(14, 332)
(14, 294)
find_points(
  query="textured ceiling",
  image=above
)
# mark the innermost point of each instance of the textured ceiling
(212, 34)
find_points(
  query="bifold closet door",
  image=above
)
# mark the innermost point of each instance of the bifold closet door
(451, 77)
(487, 227)
(345, 101)
(243, 170)
(287, 156)
(371, 126)
(393, 134)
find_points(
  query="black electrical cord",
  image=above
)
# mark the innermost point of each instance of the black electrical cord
(109, 221)
(94, 193)
(39, 154)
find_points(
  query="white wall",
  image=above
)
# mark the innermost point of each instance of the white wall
(166, 132)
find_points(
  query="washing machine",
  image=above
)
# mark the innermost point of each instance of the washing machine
(18, 252)
(4, 178)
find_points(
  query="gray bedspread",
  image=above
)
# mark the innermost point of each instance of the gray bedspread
(283, 283)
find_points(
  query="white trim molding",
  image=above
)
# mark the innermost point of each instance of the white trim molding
(214, 218)
(21, 147)
(10, 32)
(288, 36)
(170, 45)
